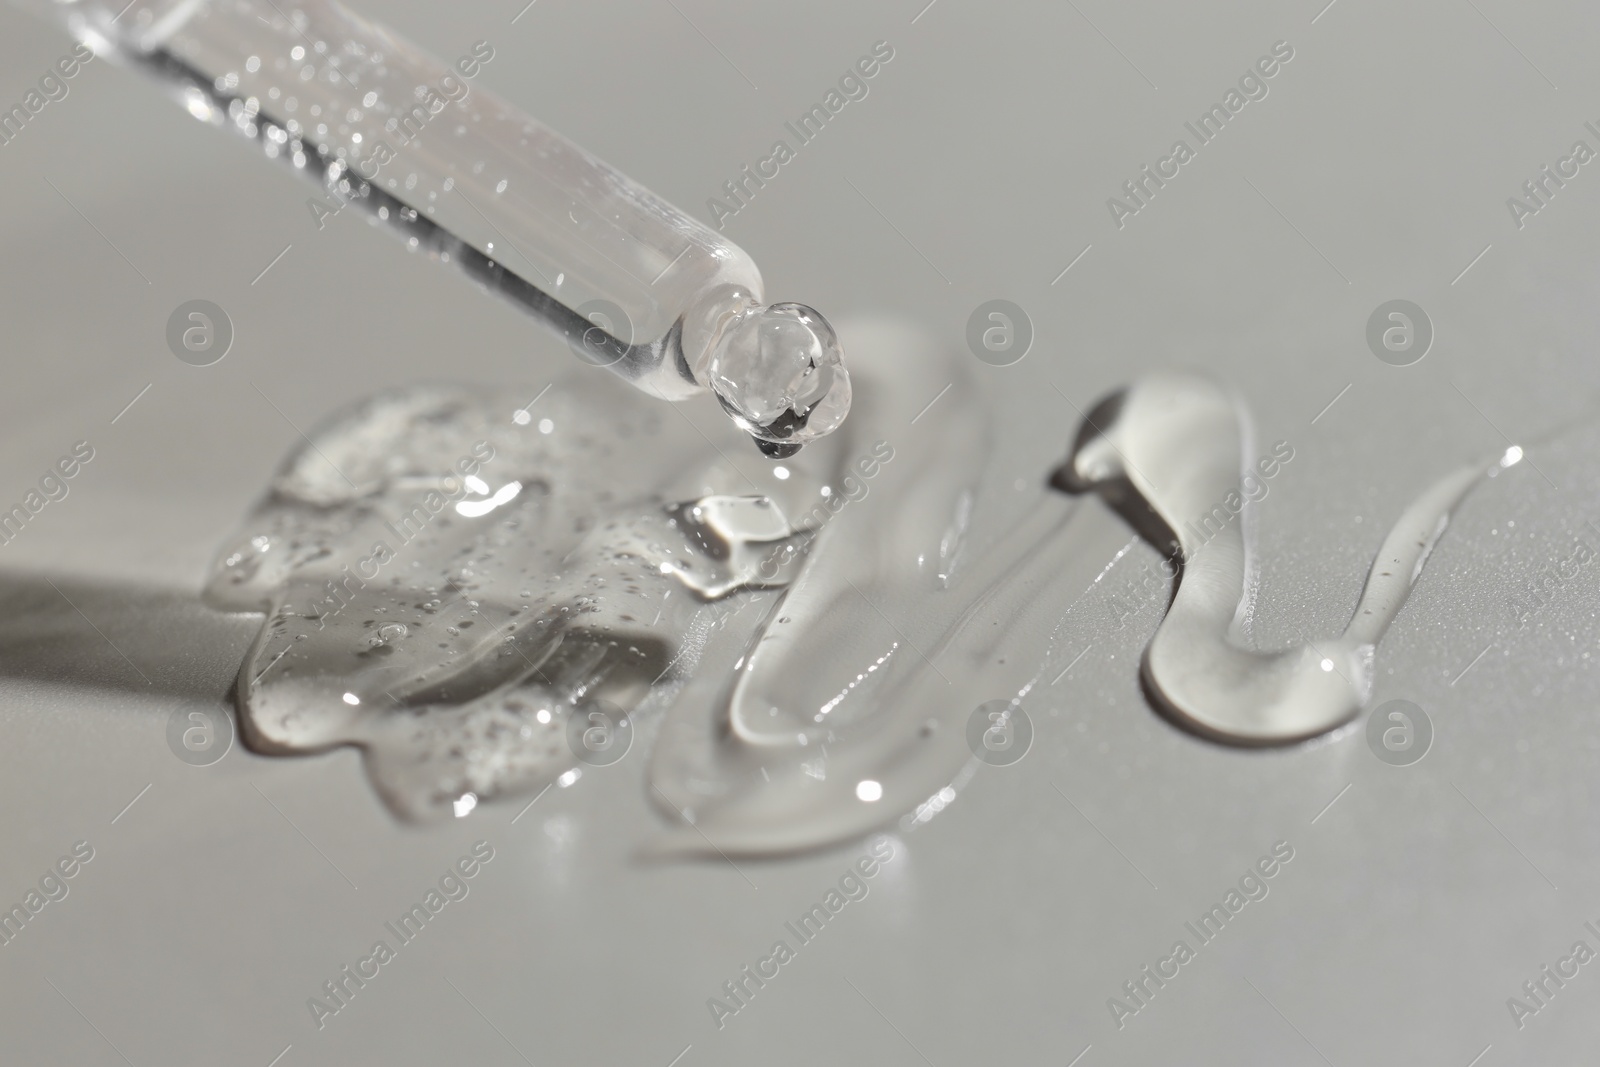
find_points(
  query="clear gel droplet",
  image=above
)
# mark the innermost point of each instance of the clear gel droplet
(779, 372)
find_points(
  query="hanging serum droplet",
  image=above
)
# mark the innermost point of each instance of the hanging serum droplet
(779, 373)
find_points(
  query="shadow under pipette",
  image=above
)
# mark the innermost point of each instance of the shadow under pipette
(119, 636)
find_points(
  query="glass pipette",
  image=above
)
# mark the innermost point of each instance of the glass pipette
(634, 284)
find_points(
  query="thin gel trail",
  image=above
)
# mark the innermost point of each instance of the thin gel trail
(1162, 453)
(846, 672)
(1178, 441)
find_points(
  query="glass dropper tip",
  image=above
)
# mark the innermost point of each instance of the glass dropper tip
(779, 373)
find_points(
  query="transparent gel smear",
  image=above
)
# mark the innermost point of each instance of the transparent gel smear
(448, 612)
(1163, 452)
(448, 582)
(1177, 440)
(853, 664)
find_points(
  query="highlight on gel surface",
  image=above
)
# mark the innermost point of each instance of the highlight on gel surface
(446, 583)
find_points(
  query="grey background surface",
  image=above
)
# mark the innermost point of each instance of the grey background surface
(1378, 167)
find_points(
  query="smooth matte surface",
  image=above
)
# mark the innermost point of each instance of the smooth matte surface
(978, 167)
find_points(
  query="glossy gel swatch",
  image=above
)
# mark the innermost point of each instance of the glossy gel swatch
(448, 578)
(1164, 452)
